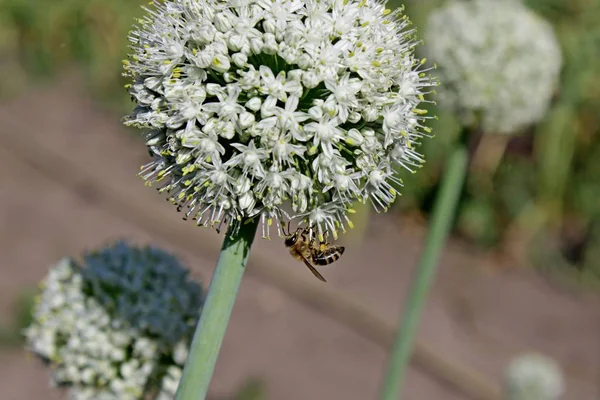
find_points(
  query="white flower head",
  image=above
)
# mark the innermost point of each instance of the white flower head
(253, 106)
(533, 376)
(498, 62)
(114, 325)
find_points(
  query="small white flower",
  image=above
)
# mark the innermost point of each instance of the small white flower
(121, 316)
(249, 159)
(326, 133)
(344, 92)
(287, 119)
(227, 107)
(284, 153)
(301, 101)
(490, 56)
(380, 189)
(277, 87)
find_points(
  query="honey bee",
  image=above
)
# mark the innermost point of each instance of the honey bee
(303, 247)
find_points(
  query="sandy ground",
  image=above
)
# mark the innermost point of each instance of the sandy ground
(476, 313)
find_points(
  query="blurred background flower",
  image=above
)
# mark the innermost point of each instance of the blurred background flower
(489, 55)
(117, 326)
(534, 377)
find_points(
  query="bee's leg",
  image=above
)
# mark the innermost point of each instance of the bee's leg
(283, 228)
(325, 236)
(311, 236)
(322, 245)
(311, 242)
(312, 246)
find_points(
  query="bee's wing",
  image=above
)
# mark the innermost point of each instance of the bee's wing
(313, 269)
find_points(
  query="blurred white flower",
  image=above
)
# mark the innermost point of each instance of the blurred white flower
(240, 100)
(534, 377)
(169, 384)
(498, 62)
(114, 325)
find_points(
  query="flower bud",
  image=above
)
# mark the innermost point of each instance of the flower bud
(305, 61)
(240, 59)
(256, 45)
(370, 114)
(222, 23)
(246, 120)
(354, 117)
(269, 25)
(254, 104)
(235, 43)
(270, 44)
(354, 137)
(220, 63)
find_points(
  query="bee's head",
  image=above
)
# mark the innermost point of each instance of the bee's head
(292, 239)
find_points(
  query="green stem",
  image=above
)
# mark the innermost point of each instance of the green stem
(441, 221)
(211, 328)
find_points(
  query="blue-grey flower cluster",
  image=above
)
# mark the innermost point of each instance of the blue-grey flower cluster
(534, 377)
(499, 62)
(252, 104)
(118, 325)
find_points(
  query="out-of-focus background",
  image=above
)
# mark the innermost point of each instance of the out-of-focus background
(521, 272)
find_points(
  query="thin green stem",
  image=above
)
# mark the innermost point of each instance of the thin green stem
(211, 328)
(441, 221)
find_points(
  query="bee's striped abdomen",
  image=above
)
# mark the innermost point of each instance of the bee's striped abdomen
(328, 256)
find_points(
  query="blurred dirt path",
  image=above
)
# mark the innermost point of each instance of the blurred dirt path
(475, 315)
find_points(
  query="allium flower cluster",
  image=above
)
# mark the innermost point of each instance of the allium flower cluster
(118, 326)
(249, 104)
(499, 62)
(534, 377)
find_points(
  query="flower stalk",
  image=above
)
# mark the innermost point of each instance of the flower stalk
(211, 328)
(441, 221)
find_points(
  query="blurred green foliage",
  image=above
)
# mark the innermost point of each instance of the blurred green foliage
(10, 331)
(47, 39)
(553, 168)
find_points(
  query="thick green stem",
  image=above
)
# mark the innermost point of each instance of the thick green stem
(211, 328)
(441, 221)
